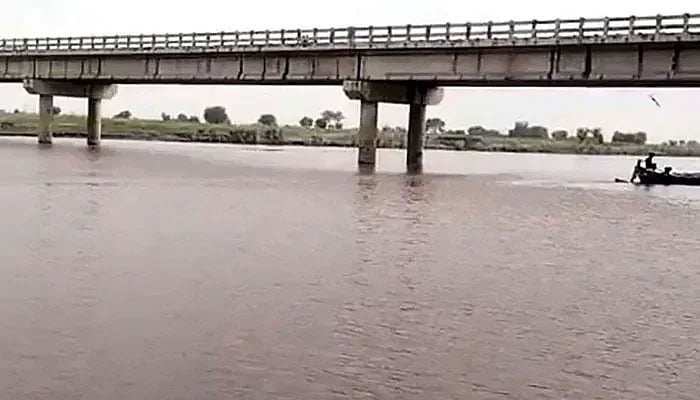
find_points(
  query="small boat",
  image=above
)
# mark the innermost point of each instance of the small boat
(668, 177)
(650, 175)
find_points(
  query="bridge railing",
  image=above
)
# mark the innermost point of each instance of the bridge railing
(371, 36)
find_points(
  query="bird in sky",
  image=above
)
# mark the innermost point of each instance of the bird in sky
(651, 96)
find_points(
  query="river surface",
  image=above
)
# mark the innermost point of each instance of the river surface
(183, 271)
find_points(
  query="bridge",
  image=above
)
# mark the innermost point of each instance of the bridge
(406, 64)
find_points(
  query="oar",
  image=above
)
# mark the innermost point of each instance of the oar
(619, 180)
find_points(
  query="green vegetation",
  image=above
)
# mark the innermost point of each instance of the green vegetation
(121, 115)
(268, 120)
(435, 126)
(327, 130)
(306, 122)
(216, 115)
(182, 129)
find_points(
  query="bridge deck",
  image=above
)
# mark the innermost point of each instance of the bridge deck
(648, 29)
(631, 51)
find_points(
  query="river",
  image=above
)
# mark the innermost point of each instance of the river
(192, 271)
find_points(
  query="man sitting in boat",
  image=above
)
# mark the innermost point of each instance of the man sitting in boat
(649, 162)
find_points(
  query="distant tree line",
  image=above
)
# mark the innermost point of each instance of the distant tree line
(435, 126)
(180, 117)
(328, 119)
(523, 130)
(636, 138)
(55, 111)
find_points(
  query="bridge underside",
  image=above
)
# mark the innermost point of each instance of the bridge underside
(596, 65)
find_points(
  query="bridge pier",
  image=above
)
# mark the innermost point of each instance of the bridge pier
(95, 93)
(416, 133)
(45, 119)
(369, 93)
(94, 122)
(367, 135)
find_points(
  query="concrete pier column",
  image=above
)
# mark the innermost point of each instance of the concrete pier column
(94, 122)
(45, 119)
(94, 92)
(371, 93)
(367, 136)
(416, 133)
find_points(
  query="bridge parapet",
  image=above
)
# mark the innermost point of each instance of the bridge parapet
(481, 34)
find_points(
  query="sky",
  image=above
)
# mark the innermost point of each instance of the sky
(499, 108)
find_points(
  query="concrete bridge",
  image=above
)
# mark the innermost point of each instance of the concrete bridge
(395, 64)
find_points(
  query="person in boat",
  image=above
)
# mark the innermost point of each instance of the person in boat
(637, 169)
(649, 162)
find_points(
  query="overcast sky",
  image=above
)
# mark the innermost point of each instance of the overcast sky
(611, 109)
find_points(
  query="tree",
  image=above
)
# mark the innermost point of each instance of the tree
(640, 138)
(581, 134)
(165, 117)
(193, 118)
(321, 123)
(481, 131)
(332, 118)
(306, 122)
(520, 129)
(327, 115)
(56, 110)
(523, 129)
(267, 120)
(560, 135)
(339, 117)
(395, 129)
(126, 114)
(435, 125)
(620, 137)
(16, 111)
(338, 125)
(538, 131)
(182, 117)
(597, 135)
(629, 138)
(216, 115)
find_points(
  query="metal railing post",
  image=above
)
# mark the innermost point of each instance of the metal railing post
(511, 29)
(606, 27)
(631, 26)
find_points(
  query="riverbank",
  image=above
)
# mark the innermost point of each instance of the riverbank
(24, 124)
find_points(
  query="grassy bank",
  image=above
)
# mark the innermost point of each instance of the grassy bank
(142, 129)
(567, 146)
